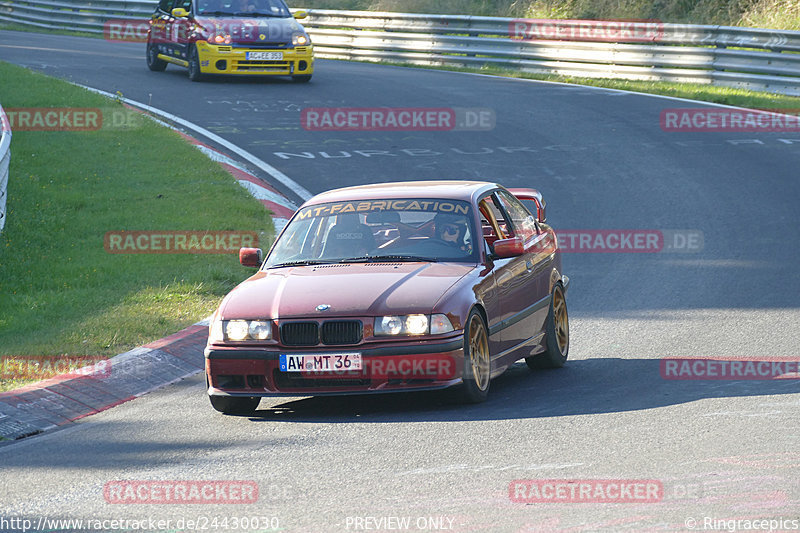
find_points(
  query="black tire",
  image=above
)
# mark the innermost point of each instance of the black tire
(477, 361)
(194, 65)
(234, 405)
(301, 78)
(153, 62)
(556, 334)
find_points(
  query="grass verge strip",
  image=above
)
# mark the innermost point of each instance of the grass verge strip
(62, 293)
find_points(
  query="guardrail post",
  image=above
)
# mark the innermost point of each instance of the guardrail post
(471, 33)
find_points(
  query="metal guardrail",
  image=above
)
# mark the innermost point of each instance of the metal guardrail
(5, 159)
(88, 16)
(751, 58)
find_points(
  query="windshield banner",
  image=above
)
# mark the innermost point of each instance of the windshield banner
(435, 206)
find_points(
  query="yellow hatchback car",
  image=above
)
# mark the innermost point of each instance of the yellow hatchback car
(234, 37)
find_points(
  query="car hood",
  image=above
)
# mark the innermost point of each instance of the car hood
(256, 30)
(349, 289)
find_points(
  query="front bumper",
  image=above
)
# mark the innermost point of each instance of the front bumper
(241, 371)
(215, 59)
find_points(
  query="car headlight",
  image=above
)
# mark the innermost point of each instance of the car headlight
(259, 330)
(239, 330)
(412, 325)
(389, 325)
(416, 324)
(236, 330)
(300, 39)
(220, 39)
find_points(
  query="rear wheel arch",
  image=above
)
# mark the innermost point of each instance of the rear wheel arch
(556, 333)
(555, 279)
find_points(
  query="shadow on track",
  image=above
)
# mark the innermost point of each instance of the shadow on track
(232, 80)
(582, 387)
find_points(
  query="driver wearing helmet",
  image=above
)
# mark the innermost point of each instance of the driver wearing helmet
(246, 6)
(452, 229)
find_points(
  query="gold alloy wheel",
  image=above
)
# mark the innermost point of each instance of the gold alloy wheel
(561, 321)
(479, 352)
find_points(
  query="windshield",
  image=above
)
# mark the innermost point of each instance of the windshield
(264, 8)
(377, 230)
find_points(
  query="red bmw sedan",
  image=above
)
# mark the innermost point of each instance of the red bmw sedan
(393, 287)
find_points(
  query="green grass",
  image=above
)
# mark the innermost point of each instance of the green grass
(60, 291)
(693, 91)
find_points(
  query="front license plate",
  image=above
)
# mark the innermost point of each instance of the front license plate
(320, 362)
(265, 56)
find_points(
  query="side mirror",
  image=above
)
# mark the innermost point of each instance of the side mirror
(505, 248)
(300, 14)
(180, 13)
(251, 257)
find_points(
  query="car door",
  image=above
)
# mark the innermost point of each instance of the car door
(488, 291)
(534, 298)
(160, 27)
(179, 30)
(507, 327)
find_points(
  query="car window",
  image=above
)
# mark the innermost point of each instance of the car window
(523, 223)
(493, 218)
(185, 4)
(276, 8)
(426, 229)
(165, 5)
